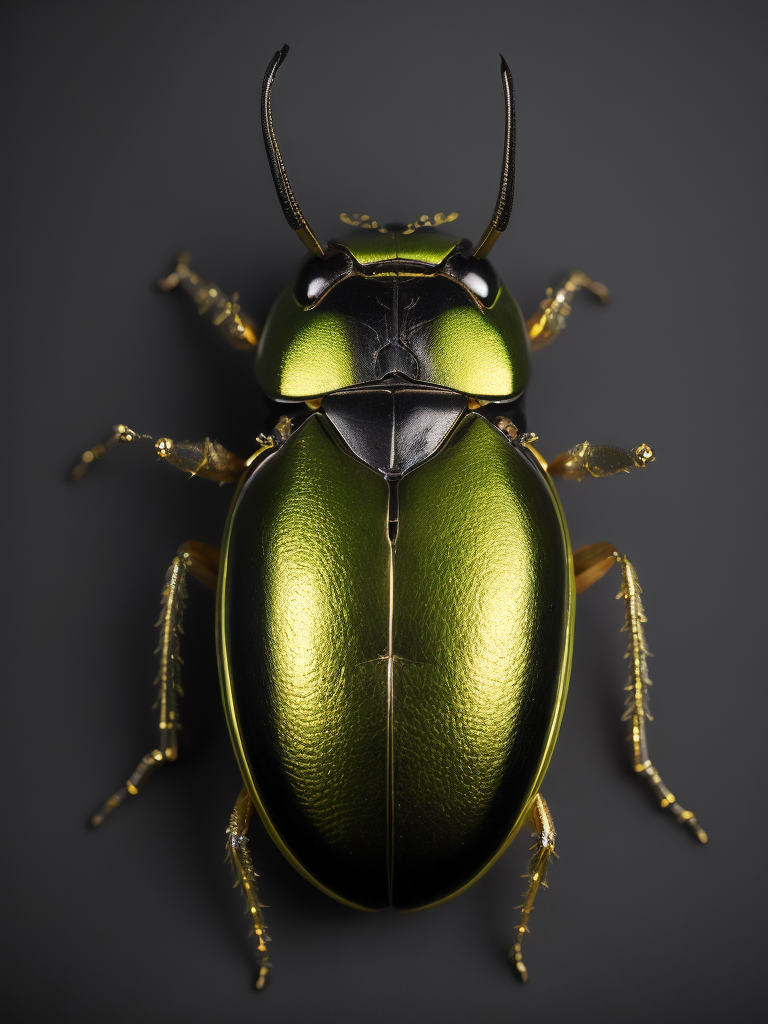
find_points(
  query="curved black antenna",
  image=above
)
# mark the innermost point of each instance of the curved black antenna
(503, 209)
(291, 209)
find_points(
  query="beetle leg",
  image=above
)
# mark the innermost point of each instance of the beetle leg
(206, 458)
(599, 460)
(543, 851)
(223, 312)
(545, 325)
(239, 856)
(590, 563)
(120, 435)
(202, 561)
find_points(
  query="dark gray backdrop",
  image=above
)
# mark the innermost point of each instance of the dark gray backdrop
(132, 132)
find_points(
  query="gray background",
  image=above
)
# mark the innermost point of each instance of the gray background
(132, 133)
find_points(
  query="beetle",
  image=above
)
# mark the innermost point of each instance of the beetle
(396, 586)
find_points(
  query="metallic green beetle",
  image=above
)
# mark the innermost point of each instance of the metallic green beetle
(396, 586)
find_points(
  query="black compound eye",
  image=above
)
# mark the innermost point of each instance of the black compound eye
(477, 276)
(316, 275)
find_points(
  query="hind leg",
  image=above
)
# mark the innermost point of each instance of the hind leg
(543, 851)
(590, 564)
(202, 561)
(239, 856)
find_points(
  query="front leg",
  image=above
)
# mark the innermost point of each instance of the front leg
(224, 313)
(545, 325)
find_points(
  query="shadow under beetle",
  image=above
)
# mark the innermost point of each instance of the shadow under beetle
(395, 587)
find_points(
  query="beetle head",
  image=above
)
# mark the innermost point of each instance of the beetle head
(400, 299)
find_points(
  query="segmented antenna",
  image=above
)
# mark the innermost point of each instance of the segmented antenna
(500, 217)
(291, 208)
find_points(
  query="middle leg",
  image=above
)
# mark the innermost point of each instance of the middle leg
(599, 460)
(206, 458)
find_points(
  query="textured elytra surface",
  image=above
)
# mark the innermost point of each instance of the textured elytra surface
(306, 626)
(481, 605)
(393, 771)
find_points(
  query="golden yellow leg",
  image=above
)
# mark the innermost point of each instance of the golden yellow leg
(239, 856)
(599, 460)
(543, 851)
(205, 458)
(545, 325)
(202, 561)
(590, 564)
(636, 711)
(120, 435)
(224, 313)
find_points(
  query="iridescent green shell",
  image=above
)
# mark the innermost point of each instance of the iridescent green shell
(394, 707)
(397, 295)
(374, 247)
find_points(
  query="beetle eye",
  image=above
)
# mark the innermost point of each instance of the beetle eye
(316, 275)
(477, 276)
(476, 284)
